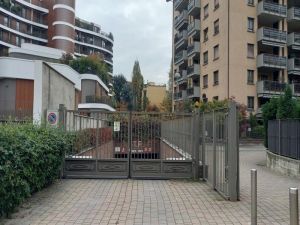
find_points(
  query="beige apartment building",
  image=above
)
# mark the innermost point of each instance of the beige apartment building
(248, 50)
(155, 93)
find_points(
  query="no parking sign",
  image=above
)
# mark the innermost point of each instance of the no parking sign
(52, 118)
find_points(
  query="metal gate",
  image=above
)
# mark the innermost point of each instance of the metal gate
(131, 145)
(156, 146)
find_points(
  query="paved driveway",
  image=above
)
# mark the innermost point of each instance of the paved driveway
(159, 202)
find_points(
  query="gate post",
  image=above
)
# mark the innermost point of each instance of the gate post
(203, 147)
(62, 125)
(233, 152)
(214, 151)
(130, 144)
(196, 144)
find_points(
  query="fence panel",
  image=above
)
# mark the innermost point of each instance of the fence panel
(284, 138)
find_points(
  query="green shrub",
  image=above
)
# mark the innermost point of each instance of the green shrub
(30, 159)
(258, 132)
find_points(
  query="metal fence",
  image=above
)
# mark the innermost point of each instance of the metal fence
(284, 138)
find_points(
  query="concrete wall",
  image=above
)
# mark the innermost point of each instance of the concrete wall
(283, 165)
(88, 88)
(56, 90)
(7, 95)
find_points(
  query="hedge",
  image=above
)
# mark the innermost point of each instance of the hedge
(30, 159)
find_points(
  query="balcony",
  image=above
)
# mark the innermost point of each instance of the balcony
(268, 88)
(99, 100)
(194, 8)
(271, 61)
(182, 79)
(271, 12)
(272, 37)
(181, 95)
(293, 14)
(181, 39)
(193, 49)
(193, 92)
(180, 4)
(294, 66)
(194, 28)
(181, 57)
(181, 21)
(293, 41)
(193, 70)
(296, 89)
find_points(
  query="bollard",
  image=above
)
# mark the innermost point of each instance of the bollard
(294, 208)
(253, 197)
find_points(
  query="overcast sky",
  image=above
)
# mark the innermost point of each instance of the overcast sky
(142, 30)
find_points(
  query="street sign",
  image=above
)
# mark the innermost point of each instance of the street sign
(52, 118)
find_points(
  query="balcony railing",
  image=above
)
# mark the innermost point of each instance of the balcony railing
(294, 66)
(271, 8)
(193, 70)
(181, 95)
(194, 26)
(92, 42)
(294, 40)
(271, 36)
(180, 36)
(193, 92)
(193, 6)
(180, 4)
(271, 61)
(182, 78)
(294, 14)
(193, 48)
(270, 88)
(180, 56)
(181, 19)
(99, 100)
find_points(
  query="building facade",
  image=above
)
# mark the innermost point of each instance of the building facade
(248, 50)
(52, 23)
(155, 93)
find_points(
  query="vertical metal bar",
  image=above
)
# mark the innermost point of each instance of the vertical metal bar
(279, 137)
(130, 143)
(214, 151)
(233, 153)
(253, 197)
(203, 147)
(294, 206)
(97, 138)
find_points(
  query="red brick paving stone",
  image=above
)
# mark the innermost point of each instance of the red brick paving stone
(155, 201)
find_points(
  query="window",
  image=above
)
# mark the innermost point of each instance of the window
(205, 34)
(216, 27)
(205, 81)
(217, 4)
(205, 58)
(23, 12)
(250, 102)
(250, 24)
(250, 77)
(17, 26)
(250, 51)
(205, 11)
(251, 2)
(216, 98)
(216, 52)
(216, 77)
(6, 21)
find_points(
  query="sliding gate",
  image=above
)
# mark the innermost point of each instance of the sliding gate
(131, 145)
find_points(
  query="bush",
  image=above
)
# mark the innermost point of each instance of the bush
(30, 159)
(258, 132)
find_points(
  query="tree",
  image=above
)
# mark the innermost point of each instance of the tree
(145, 102)
(122, 90)
(93, 64)
(137, 87)
(66, 58)
(286, 105)
(166, 105)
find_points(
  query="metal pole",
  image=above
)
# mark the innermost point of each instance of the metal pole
(294, 207)
(253, 197)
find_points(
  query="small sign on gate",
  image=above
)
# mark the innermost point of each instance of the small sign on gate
(52, 118)
(117, 126)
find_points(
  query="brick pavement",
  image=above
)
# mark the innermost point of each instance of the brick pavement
(158, 202)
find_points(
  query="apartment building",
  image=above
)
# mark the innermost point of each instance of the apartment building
(52, 23)
(248, 50)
